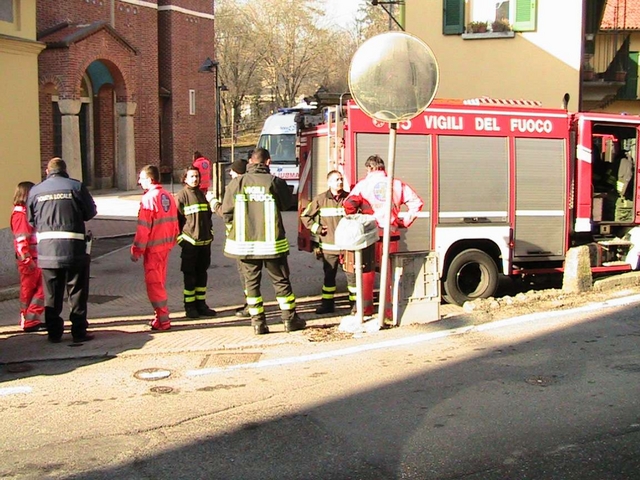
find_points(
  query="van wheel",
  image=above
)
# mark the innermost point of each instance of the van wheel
(472, 274)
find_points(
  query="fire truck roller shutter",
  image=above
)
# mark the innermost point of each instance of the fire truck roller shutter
(539, 231)
(474, 194)
(413, 166)
(320, 165)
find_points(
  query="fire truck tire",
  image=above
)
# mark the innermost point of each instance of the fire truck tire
(472, 274)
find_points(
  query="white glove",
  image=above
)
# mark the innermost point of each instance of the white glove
(215, 203)
(209, 196)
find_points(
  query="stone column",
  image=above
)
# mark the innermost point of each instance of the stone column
(71, 137)
(126, 177)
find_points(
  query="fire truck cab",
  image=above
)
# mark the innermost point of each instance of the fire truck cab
(508, 186)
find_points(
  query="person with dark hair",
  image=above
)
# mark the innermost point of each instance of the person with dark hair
(203, 164)
(196, 235)
(370, 193)
(251, 209)
(321, 217)
(25, 245)
(156, 235)
(58, 208)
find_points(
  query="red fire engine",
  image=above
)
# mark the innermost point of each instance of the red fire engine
(508, 186)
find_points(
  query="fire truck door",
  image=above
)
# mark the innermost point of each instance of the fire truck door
(412, 166)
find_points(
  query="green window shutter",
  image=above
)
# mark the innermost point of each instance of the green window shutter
(525, 20)
(453, 17)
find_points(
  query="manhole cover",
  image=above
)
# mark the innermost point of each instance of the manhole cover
(540, 380)
(19, 368)
(151, 374)
(100, 299)
(161, 389)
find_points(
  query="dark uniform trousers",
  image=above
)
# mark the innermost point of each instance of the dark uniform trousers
(75, 280)
(195, 262)
(330, 264)
(278, 271)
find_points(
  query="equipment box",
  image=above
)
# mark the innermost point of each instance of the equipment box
(416, 287)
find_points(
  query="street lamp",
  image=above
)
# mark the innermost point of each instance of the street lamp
(400, 3)
(211, 66)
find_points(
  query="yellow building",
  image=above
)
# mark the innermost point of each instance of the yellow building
(19, 126)
(548, 49)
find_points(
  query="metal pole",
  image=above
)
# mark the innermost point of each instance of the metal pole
(218, 141)
(384, 267)
(233, 131)
(359, 299)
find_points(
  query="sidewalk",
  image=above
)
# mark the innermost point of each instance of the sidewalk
(119, 310)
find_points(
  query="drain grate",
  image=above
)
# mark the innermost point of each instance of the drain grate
(541, 380)
(152, 374)
(161, 389)
(100, 299)
(227, 359)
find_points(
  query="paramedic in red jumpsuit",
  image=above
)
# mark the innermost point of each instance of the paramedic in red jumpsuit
(368, 196)
(156, 235)
(25, 245)
(203, 164)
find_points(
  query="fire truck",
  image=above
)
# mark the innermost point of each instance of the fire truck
(509, 186)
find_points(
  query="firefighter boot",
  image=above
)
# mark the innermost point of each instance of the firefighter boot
(191, 311)
(327, 306)
(294, 323)
(354, 307)
(204, 310)
(259, 324)
(243, 312)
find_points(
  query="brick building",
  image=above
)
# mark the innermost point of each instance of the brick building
(119, 86)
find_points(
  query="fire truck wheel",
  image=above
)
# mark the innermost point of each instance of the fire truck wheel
(472, 274)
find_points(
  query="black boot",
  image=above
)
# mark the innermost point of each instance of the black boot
(354, 308)
(191, 311)
(259, 325)
(294, 323)
(327, 306)
(243, 312)
(204, 310)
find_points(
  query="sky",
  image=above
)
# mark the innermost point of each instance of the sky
(342, 12)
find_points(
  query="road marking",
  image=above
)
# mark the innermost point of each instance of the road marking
(14, 390)
(618, 302)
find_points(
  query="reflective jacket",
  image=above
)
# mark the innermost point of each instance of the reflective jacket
(251, 210)
(204, 167)
(157, 229)
(373, 188)
(324, 210)
(25, 242)
(58, 207)
(194, 217)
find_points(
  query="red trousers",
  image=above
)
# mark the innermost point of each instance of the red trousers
(155, 277)
(31, 296)
(368, 281)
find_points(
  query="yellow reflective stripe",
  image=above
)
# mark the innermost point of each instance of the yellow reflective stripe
(254, 300)
(195, 208)
(315, 227)
(256, 248)
(187, 238)
(328, 289)
(287, 303)
(332, 212)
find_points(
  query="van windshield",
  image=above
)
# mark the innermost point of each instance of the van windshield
(282, 147)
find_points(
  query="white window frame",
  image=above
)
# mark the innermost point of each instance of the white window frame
(192, 102)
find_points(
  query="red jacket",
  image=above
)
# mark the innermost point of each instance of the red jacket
(371, 190)
(204, 167)
(157, 222)
(24, 235)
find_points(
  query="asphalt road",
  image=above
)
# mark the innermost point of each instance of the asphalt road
(554, 396)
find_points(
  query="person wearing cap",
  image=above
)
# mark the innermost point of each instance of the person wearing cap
(203, 164)
(196, 235)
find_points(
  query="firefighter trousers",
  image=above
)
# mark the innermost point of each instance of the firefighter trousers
(195, 262)
(31, 296)
(368, 282)
(278, 271)
(155, 278)
(330, 264)
(75, 281)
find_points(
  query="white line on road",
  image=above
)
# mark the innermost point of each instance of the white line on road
(618, 302)
(14, 390)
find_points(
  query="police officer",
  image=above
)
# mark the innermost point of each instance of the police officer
(251, 208)
(57, 208)
(156, 235)
(321, 217)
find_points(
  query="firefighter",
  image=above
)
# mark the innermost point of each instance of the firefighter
(156, 235)
(251, 209)
(203, 164)
(321, 217)
(196, 235)
(58, 208)
(371, 192)
(25, 245)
